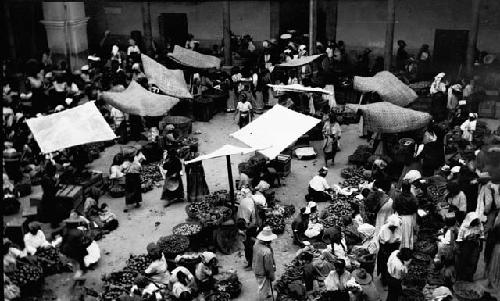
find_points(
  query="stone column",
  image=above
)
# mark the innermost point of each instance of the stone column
(389, 34)
(66, 27)
(472, 41)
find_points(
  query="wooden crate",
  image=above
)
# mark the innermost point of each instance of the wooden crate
(283, 165)
(487, 109)
(71, 196)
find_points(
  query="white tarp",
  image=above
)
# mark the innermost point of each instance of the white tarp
(298, 88)
(139, 101)
(80, 125)
(225, 150)
(300, 62)
(275, 130)
(170, 82)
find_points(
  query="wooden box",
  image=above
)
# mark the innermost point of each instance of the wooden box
(283, 165)
(71, 196)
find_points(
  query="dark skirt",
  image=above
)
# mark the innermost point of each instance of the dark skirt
(395, 289)
(244, 120)
(382, 258)
(133, 194)
(467, 258)
(173, 195)
(196, 185)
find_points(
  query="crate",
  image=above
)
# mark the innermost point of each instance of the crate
(15, 230)
(203, 109)
(283, 165)
(487, 109)
(71, 196)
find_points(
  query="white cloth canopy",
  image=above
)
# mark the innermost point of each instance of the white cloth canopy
(194, 59)
(139, 101)
(300, 62)
(80, 125)
(275, 130)
(298, 88)
(170, 82)
(225, 150)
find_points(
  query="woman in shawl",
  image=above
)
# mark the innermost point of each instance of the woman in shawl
(492, 258)
(467, 179)
(133, 193)
(331, 136)
(432, 154)
(325, 264)
(405, 205)
(469, 241)
(195, 176)
(384, 203)
(389, 239)
(173, 189)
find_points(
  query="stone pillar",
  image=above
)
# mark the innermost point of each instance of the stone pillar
(389, 34)
(226, 26)
(472, 41)
(312, 26)
(275, 19)
(66, 27)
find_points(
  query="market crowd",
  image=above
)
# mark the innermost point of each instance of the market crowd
(376, 236)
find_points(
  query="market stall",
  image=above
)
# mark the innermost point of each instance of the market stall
(170, 82)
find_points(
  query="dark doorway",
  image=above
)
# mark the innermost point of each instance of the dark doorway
(294, 15)
(173, 28)
(450, 48)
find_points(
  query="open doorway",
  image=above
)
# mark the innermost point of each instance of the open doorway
(173, 28)
(450, 48)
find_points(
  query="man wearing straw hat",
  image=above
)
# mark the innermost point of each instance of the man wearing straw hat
(263, 263)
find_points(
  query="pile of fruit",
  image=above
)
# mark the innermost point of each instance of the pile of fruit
(352, 171)
(228, 282)
(51, 261)
(151, 173)
(187, 229)
(293, 271)
(26, 273)
(361, 155)
(332, 215)
(195, 209)
(277, 223)
(428, 247)
(218, 296)
(215, 216)
(416, 276)
(173, 245)
(468, 290)
(137, 263)
(437, 192)
(410, 294)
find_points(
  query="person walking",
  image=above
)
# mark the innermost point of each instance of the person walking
(397, 267)
(133, 193)
(263, 263)
(470, 242)
(405, 205)
(197, 187)
(173, 189)
(389, 239)
(331, 136)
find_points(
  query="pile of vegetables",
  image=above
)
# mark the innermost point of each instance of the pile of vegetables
(416, 276)
(276, 222)
(173, 245)
(195, 209)
(352, 171)
(215, 216)
(468, 290)
(332, 215)
(293, 271)
(428, 247)
(218, 296)
(150, 175)
(228, 282)
(51, 261)
(26, 273)
(437, 192)
(360, 156)
(186, 229)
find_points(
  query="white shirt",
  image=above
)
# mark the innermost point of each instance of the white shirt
(33, 242)
(334, 282)
(244, 107)
(173, 275)
(179, 288)
(259, 199)
(131, 49)
(319, 183)
(395, 267)
(116, 172)
(118, 116)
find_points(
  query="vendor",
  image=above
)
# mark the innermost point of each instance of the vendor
(389, 239)
(204, 271)
(299, 225)
(336, 282)
(405, 205)
(181, 289)
(469, 127)
(75, 247)
(397, 266)
(170, 141)
(246, 209)
(174, 277)
(319, 188)
(116, 175)
(35, 238)
(157, 271)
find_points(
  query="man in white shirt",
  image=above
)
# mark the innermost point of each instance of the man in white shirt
(397, 266)
(319, 188)
(35, 238)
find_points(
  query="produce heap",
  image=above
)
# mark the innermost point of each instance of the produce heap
(361, 156)
(211, 211)
(228, 282)
(27, 275)
(52, 261)
(150, 176)
(354, 176)
(186, 229)
(276, 217)
(173, 245)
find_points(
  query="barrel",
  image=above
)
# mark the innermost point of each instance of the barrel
(203, 108)
(183, 125)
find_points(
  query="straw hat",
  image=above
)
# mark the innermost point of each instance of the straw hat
(286, 36)
(362, 277)
(267, 234)
(73, 219)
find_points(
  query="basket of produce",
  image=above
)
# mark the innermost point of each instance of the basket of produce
(193, 210)
(151, 173)
(416, 276)
(147, 186)
(422, 258)
(218, 296)
(467, 291)
(361, 155)
(276, 222)
(289, 211)
(225, 212)
(28, 276)
(173, 245)
(437, 192)
(116, 191)
(228, 282)
(428, 247)
(137, 263)
(187, 229)
(51, 261)
(411, 294)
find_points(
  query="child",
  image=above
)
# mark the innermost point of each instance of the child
(368, 290)
(446, 241)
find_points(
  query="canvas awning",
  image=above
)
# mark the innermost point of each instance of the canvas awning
(193, 59)
(225, 150)
(170, 82)
(388, 86)
(300, 62)
(139, 101)
(298, 88)
(385, 117)
(80, 125)
(275, 130)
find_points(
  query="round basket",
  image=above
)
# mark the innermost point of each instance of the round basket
(173, 245)
(467, 291)
(117, 192)
(218, 296)
(187, 229)
(183, 125)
